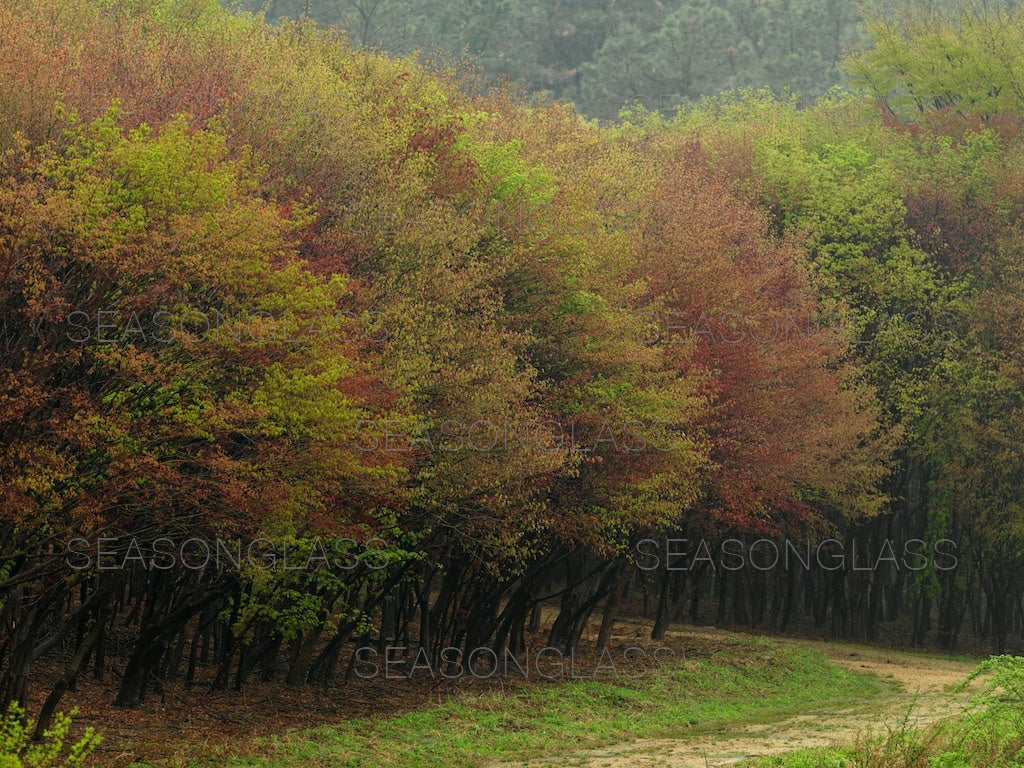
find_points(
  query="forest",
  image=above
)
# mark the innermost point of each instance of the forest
(602, 54)
(315, 345)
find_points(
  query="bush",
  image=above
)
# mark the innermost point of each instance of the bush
(18, 750)
(992, 733)
(948, 760)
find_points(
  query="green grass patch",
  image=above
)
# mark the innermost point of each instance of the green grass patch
(747, 680)
(807, 758)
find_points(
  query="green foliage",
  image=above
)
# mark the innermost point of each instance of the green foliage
(994, 728)
(933, 57)
(18, 750)
(780, 304)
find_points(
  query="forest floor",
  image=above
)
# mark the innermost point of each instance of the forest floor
(726, 698)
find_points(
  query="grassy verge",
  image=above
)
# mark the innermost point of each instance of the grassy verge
(990, 734)
(744, 680)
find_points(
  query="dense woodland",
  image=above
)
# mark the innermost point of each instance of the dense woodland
(261, 285)
(604, 54)
(601, 54)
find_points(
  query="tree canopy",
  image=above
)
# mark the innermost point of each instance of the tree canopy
(262, 284)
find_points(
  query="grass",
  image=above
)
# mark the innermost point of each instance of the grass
(989, 734)
(808, 758)
(746, 680)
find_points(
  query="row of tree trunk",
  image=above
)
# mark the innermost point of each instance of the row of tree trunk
(217, 628)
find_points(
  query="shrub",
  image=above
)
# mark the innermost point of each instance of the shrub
(18, 750)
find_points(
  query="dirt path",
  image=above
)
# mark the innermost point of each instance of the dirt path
(923, 698)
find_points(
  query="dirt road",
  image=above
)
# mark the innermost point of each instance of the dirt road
(922, 697)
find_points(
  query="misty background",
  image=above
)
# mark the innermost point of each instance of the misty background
(605, 54)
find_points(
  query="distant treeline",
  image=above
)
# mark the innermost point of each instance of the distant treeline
(306, 349)
(605, 54)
